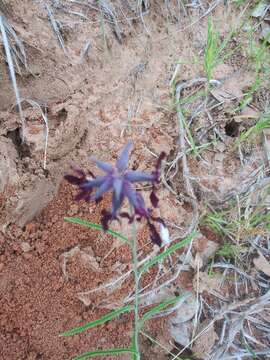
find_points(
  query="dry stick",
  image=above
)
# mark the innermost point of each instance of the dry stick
(208, 11)
(12, 72)
(157, 343)
(116, 281)
(56, 29)
(222, 312)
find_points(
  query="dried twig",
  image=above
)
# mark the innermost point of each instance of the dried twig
(3, 27)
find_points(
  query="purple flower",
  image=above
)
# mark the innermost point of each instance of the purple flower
(120, 180)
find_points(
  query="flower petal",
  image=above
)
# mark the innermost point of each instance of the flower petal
(138, 176)
(106, 217)
(84, 194)
(154, 199)
(103, 188)
(117, 187)
(130, 193)
(154, 235)
(161, 157)
(90, 184)
(141, 209)
(136, 201)
(74, 180)
(116, 204)
(106, 167)
(122, 161)
(156, 173)
(77, 170)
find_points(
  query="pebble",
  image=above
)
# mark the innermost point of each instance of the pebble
(25, 246)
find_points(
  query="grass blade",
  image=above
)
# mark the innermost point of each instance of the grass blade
(97, 227)
(12, 71)
(157, 309)
(100, 321)
(105, 352)
(56, 29)
(262, 124)
(211, 50)
(167, 252)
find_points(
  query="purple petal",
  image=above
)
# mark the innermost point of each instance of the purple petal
(154, 235)
(108, 168)
(137, 176)
(161, 157)
(122, 161)
(141, 209)
(91, 174)
(131, 195)
(116, 204)
(103, 188)
(156, 173)
(74, 180)
(90, 184)
(85, 194)
(117, 186)
(154, 199)
(78, 171)
(136, 201)
(106, 217)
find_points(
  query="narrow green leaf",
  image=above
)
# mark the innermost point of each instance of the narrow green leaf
(96, 227)
(100, 321)
(157, 309)
(167, 252)
(104, 352)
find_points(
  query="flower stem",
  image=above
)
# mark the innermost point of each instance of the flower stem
(136, 330)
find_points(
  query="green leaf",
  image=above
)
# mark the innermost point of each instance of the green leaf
(167, 252)
(99, 321)
(97, 227)
(157, 309)
(105, 352)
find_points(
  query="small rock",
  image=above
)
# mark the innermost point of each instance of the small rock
(1, 266)
(74, 208)
(34, 135)
(25, 246)
(248, 112)
(220, 146)
(205, 342)
(181, 333)
(186, 310)
(262, 264)
(40, 248)
(219, 157)
(265, 33)
(27, 256)
(209, 251)
(260, 10)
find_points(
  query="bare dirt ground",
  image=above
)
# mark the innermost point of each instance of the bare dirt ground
(109, 82)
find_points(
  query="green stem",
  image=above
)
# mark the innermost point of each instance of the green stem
(137, 289)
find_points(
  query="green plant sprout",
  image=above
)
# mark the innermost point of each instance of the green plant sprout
(262, 123)
(259, 58)
(134, 349)
(120, 180)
